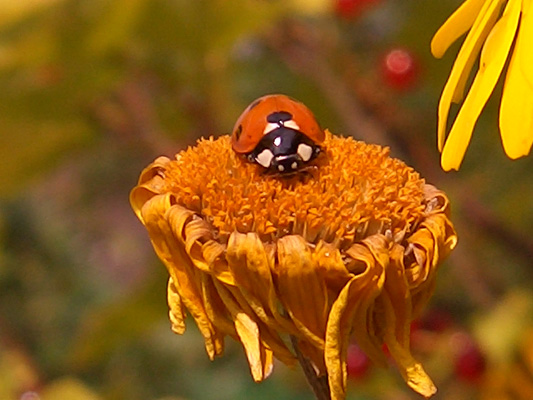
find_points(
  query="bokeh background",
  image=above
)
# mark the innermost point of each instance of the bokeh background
(91, 91)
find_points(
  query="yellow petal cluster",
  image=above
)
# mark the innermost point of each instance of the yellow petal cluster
(493, 36)
(346, 250)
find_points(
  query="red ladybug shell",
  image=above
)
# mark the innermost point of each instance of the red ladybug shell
(250, 127)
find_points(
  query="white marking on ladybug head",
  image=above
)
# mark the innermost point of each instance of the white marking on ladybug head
(281, 168)
(305, 152)
(270, 127)
(264, 158)
(291, 124)
(294, 165)
(277, 141)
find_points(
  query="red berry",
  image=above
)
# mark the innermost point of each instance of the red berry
(351, 9)
(357, 362)
(400, 69)
(470, 363)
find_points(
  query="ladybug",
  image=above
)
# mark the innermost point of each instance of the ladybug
(277, 132)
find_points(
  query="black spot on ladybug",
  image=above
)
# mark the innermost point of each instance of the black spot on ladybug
(279, 116)
(238, 132)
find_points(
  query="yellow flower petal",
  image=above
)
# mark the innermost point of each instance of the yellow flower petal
(526, 29)
(259, 357)
(180, 267)
(150, 183)
(251, 267)
(216, 309)
(331, 267)
(301, 290)
(516, 111)
(456, 25)
(454, 88)
(492, 61)
(350, 312)
(411, 370)
(176, 310)
(214, 254)
(398, 292)
(364, 332)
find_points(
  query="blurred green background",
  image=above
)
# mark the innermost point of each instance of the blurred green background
(92, 91)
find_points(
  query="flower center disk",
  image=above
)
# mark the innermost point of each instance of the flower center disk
(350, 191)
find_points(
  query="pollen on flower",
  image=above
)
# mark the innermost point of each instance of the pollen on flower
(353, 190)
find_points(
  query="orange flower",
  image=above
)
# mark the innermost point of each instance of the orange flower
(346, 250)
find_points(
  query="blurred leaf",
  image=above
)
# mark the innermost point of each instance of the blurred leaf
(515, 313)
(16, 372)
(68, 388)
(115, 25)
(28, 150)
(13, 11)
(112, 325)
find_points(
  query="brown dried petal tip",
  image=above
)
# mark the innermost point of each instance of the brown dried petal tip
(347, 249)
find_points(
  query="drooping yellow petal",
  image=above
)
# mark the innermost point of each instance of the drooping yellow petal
(259, 357)
(197, 232)
(456, 25)
(176, 310)
(398, 292)
(251, 267)
(149, 184)
(493, 57)
(411, 370)
(516, 111)
(301, 290)
(179, 266)
(454, 88)
(214, 254)
(350, 313)
(337, 343)
(330, 266)
(215, 308)
(374, 270)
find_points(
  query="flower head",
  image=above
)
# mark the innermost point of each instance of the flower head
(496, 35)
(347, 250)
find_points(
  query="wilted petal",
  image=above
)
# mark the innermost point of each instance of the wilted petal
(350, 313)
(259, 357)
(516, 111)
(197, 233)
(179, 266)
(251, 267)
(412, 371)
(493, 57)
(331, 268)
(270, 336)
(216, 309)
(397, 290)
(150, 183)
(301, 290)
(214, 254)
(176, 309)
